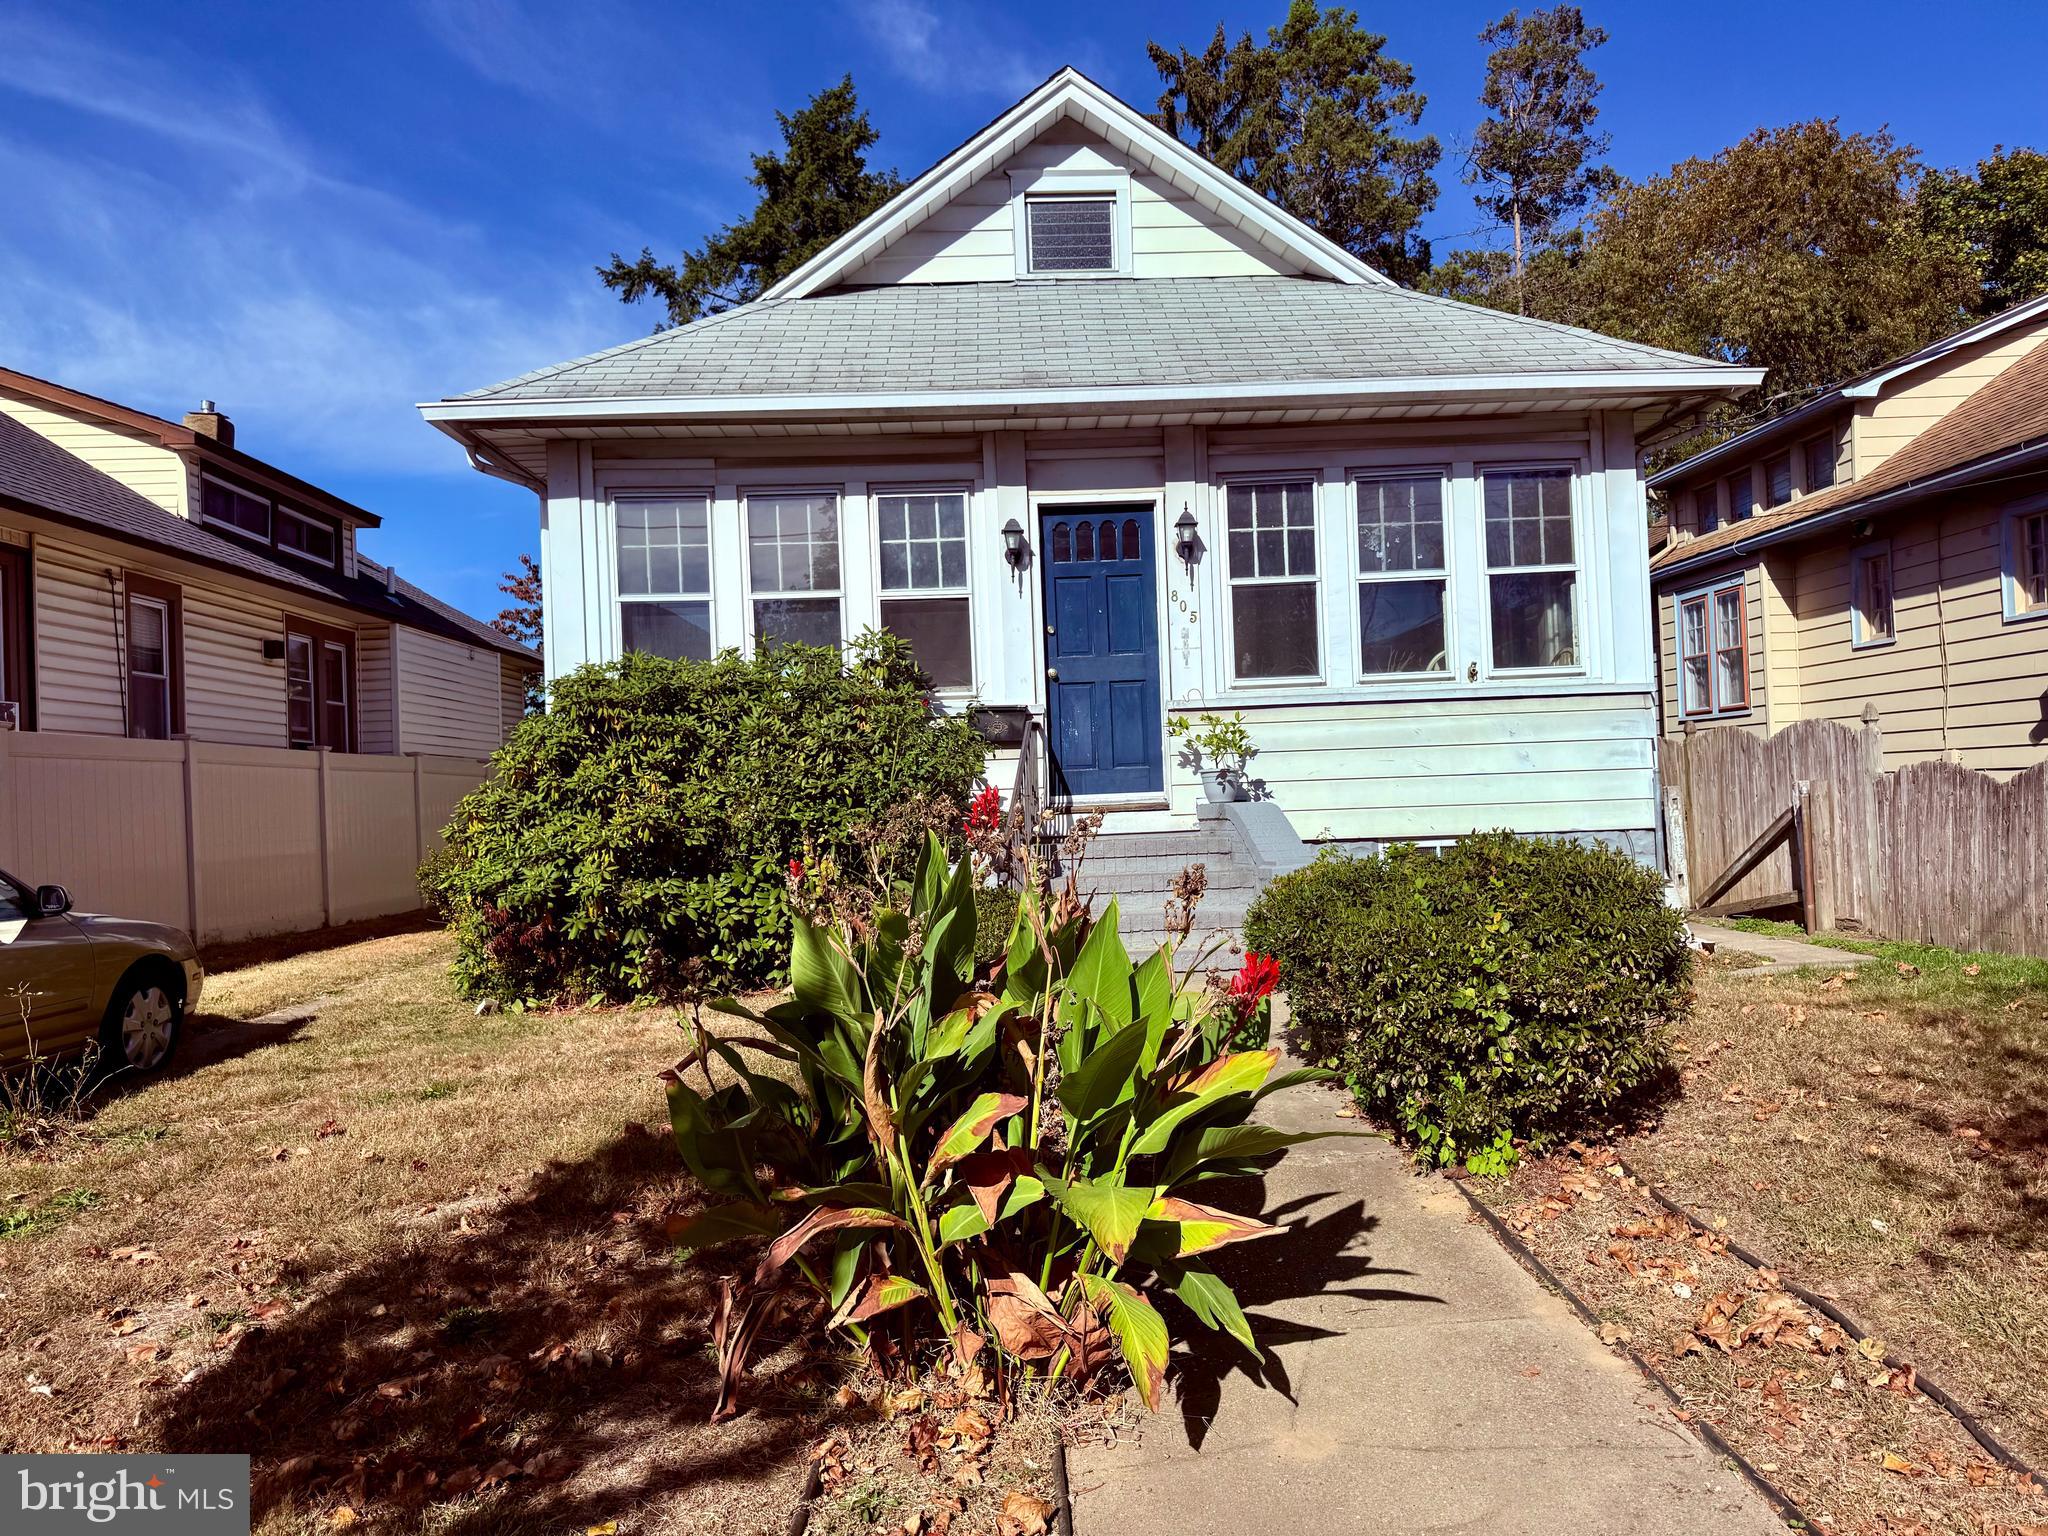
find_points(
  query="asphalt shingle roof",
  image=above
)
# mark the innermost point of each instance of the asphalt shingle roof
(2010, 410)
(1091, 335)
(39, 476)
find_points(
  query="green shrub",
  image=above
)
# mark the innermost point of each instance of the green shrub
(995, 911)
(1510, 988)
(637, 838)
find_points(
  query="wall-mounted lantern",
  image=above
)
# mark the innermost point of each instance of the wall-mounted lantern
(1013, 545)
(1185, 542)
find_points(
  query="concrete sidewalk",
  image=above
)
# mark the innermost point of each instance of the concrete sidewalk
(1416, 1380)
(1781, 954)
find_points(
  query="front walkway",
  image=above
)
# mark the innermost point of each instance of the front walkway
(1779, 954)
(1418, 1381)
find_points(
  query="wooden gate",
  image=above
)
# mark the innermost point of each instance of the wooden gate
(1933, 852)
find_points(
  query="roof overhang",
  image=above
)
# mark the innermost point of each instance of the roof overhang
(1071, 94)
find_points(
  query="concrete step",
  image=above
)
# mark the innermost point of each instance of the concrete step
(1193, 844)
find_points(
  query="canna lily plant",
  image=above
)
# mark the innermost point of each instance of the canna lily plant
(1015, 1157)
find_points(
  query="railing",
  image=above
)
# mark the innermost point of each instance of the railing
(1027, 798)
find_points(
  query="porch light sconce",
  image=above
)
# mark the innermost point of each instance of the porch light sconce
(1013, 544)
(1184, 541)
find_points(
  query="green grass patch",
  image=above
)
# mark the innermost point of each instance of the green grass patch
(1948, 969)
(435, 1091)
(53, 1212)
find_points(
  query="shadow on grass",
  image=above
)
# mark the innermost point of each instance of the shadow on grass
(238, 954)
(555, 1325)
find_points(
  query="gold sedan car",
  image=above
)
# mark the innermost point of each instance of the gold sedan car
(70, 980)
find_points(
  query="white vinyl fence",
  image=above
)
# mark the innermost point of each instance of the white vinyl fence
(224, 841)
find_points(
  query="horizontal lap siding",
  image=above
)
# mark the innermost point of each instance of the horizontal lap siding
(1907, 408)
(376, 704)
(231, 693)
(80, 682)
(1445, 769)
(145, 467)
(450, 696)
(512, 693)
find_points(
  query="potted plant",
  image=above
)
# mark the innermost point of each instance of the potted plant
(1220, 750)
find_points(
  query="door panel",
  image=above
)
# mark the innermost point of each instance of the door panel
(46, 983)
(1101, 594)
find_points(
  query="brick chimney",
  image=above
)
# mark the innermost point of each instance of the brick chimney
(208, 422)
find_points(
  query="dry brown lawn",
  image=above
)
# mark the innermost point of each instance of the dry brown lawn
(410, 1258)
(1879, 1136)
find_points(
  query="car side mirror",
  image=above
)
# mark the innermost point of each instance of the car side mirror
(53, 900)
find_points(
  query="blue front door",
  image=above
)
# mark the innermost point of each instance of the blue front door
(1102, 650)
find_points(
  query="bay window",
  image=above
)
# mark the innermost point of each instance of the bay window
(1870, 617)
(924, 599)
(1270, 531)
(1532, 568)
(793, 568)
(665, 576)
(1713, 650)
(1402, 576)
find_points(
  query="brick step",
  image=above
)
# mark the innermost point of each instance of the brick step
(1183, 846)
(1153, 874)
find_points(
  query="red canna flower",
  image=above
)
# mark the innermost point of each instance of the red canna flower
(796, 870)
(985, 812)
(1253, 984)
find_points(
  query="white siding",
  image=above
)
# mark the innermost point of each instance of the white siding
(142, 465)
(512, 688)
(376, 700)
(231, 693)
(80, 678)
(450, 696)
(971, 239)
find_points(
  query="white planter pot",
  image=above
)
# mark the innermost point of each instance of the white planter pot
(1218, 785)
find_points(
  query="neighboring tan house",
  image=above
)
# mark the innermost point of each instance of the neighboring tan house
(1110, 437)
(158, 582)
(1884, 545)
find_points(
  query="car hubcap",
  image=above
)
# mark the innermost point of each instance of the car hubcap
(146, 1027)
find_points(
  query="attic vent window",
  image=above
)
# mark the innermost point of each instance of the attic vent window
(1072, 234)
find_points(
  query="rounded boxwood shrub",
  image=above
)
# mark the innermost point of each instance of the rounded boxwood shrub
(1507, 989)
(636, 839)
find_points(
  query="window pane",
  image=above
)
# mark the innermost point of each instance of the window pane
(936, 628)
(1706, 508)
(315, 540)
(298, 689)
(149, 708)
(1529, 518)
(222, 504)
(147, 636)
(665, 546)
(1271, 529)
(1778, 480)
(811, 621)
(1820, 463)
(1072, 234)
(1874, 597)
(1695, 681)
(680, 631)
(1400, 525)
(1741, 497)
(1728, 618)
(1401, 626)
(793, 543)
(1532, 620)
(2032, 538)
(1693, 628)
(1729, 683)
(1274, 627)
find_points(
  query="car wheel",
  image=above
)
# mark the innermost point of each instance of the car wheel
(143, 1025)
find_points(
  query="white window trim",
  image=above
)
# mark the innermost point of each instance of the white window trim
(1448, 572)
(2009, 564)
(1858, 558)
(267, 540)
(842, 499)
(1715, 710)
(161, 679)
(1058, 181)
(1314, 479)
(279, 511)
(965, 491)
(1580, 569)
(613, 501)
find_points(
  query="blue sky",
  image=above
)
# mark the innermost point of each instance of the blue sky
(319, 215)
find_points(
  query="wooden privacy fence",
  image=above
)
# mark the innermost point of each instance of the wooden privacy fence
(223, 841)
(1931, 852)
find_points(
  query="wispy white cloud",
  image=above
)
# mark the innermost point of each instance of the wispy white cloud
(950, 52)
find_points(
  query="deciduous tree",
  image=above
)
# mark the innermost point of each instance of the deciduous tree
(1999, 218)
(812, 193)
(1316, 119)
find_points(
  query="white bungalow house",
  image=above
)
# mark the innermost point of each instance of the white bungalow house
(1110, 438)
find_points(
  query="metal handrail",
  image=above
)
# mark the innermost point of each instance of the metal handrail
(1027, 799)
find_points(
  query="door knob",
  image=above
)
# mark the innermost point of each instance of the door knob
(1052, 674)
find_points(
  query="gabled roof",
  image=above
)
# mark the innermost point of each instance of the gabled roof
(1862, 387)
(42, 480)
(1071, 94)
(182, 439)
(1115, 339)
(2004, 421)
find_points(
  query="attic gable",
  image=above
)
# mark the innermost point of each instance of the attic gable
(1184, 214)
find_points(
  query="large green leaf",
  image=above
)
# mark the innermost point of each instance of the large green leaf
(1241, 1072)
(1212, 1301)
(723, 1223)
(1102, 971)
(819, 975)
(988, 1111)
(1140, 1332)
(957, 1223)
(1202, 1228)
(1109, 1213)
(1107, 1077)
(1234, 1143)
(1294, 1077)
(1153, 983)
(930, 877)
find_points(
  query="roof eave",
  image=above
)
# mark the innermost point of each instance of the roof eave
(1705, 380)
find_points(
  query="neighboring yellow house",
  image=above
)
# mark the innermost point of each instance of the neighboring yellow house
(1884, 545)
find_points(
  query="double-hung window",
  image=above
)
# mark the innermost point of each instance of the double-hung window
(664, 549)
(319, 664)
(924, 581)
(1531, 568)
(1270, 530)
(1713, 650)
(149, 665)
(793, 568)
(1820, 463)
(1741, 496)
(1870, 616)
(2026, 564)
(1402, 576)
